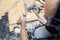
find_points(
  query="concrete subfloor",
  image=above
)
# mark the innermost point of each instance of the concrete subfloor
(10, 36)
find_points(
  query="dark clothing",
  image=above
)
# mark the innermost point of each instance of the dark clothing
(48, 38)
(58, 12)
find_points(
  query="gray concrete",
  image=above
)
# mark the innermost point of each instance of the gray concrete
(13, 36)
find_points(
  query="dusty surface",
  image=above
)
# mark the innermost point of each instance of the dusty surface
(13, 17)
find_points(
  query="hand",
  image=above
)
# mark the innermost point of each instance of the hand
(42, 20)
(22, 19)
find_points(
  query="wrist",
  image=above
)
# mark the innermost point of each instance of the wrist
(23, 24)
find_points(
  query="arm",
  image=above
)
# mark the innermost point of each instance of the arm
(51, 7)
(50, 10)
(23, 31)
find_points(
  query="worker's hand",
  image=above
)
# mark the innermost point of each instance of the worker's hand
(42, 20)
(22, 19)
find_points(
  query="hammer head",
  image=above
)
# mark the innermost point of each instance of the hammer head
(32, 7)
